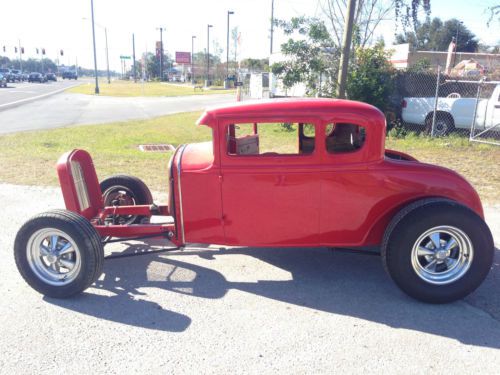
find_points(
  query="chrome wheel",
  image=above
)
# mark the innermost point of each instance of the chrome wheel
(442, 255)
(53, 256)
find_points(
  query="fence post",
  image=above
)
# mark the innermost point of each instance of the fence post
(435, 101)
(473, 125)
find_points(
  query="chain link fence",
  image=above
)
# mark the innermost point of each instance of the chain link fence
(426, 102)
(440, 105)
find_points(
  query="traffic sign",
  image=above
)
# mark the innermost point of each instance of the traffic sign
(125, 57)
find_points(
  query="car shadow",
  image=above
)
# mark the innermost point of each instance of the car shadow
(322, 279)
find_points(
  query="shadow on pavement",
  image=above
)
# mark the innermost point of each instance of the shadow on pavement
(338, 283)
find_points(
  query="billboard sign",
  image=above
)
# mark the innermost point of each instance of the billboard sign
(183, 57)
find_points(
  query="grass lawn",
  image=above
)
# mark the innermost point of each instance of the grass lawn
(29, 157)
(128, 88)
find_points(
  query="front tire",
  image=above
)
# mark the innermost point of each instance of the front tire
(59, 253)
(437, 250)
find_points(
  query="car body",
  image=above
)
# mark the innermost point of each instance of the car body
(3, 80)
(7, 74)
(453, 112)
(16, 75)
(328, 181)
(37, 77)
(51, 77)
(69, 74)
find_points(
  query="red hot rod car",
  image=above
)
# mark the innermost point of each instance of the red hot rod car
(301, 172)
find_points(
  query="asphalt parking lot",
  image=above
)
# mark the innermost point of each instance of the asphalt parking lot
(237, 310)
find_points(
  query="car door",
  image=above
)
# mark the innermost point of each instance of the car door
(270, 194)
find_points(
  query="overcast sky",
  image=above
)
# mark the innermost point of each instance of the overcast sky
(61, 24)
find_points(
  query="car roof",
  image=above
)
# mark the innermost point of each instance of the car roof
(289, 107)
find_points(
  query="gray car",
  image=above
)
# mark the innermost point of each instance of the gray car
(3, 80)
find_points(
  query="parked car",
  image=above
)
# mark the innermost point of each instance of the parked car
(51, 77)
(3, 80)
(453, 112)
(69, 75)
(25, 76)
(6, 73)
(327, 182)
(37, 77)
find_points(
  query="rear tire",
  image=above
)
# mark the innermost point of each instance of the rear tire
(444, 124)
(437, 250)
(59, 253)
(122, 190)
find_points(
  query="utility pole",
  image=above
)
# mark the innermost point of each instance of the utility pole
(161, 52)
(229, 12)
(193, 37)
(107, 55)
(208, 55)
(95, 56)
(346, 48)
(133, 56)
(456, 44)
(20, 57)
(272, 25)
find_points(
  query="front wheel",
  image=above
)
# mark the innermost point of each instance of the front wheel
(437, 250)
(59, 253)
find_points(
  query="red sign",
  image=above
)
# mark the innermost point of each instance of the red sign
(183, 57)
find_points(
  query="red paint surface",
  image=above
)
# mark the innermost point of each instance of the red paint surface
(317, 199)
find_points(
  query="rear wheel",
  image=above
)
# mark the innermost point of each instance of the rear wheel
(437, 250)
(444, 124)
(59, 253)
(125, 190)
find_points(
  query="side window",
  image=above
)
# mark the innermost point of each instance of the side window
(268, 139)
(344, 138)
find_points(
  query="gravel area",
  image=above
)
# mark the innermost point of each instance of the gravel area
(237, 310)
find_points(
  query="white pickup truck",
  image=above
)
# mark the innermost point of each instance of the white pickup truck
(453, 112)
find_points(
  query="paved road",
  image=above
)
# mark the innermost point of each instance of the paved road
(237, 311)
(67, 109)
(21, 92)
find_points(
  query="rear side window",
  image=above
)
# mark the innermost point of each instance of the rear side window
(344, 138)
(270, 139)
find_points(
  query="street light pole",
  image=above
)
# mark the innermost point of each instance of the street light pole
(272, 25)
(161, 52)
(208, 54)
(193, 37)
(107, 56)
(106, 38)
(229, 12)
(95, 55)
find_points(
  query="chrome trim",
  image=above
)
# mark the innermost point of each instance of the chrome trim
(181, 212)
(80, 185)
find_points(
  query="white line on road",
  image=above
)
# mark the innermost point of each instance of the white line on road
(35, 97)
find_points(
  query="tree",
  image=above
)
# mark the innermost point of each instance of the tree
(255, 65)
(370, 77)
(407, 12)
(367, 17)
(494, 14)
(436, 35)
(311, 58)
(153, 64)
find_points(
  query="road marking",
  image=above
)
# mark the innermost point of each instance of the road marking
(26, 92)
(36, 97)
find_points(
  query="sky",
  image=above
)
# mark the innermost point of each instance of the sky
(65, 24)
